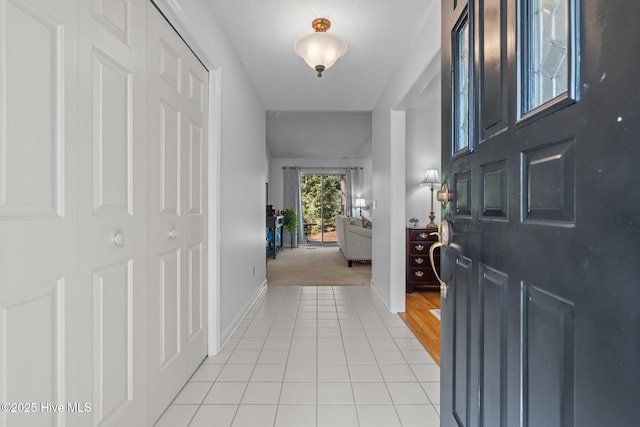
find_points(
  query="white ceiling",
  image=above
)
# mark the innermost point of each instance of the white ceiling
(302, 109)
(320, 135)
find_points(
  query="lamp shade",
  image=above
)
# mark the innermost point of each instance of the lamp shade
(320, 50)
(432, 177)
(360, 203)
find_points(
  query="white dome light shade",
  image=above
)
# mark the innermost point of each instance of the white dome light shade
(320, 49)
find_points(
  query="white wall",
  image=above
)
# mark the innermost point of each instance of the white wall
(238, 172)
(389, 161)
(423, 152)
(275, 174)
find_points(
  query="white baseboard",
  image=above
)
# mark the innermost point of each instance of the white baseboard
(228, 333)
(377, 292)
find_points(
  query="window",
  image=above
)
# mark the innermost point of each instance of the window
(323, 197)
(547, 45)
(461, 89)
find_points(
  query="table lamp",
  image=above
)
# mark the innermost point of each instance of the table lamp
(432, 178)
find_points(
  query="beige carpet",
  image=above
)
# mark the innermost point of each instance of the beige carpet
(315, 265)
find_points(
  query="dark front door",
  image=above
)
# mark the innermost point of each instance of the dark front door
(541, 150)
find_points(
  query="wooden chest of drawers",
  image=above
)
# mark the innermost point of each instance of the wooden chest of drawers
(419, 271)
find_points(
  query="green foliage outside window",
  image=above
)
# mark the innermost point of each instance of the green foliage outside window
(317, 189)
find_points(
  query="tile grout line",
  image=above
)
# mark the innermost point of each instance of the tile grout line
(358, 303)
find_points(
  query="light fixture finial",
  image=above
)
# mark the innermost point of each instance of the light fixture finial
(321, 25)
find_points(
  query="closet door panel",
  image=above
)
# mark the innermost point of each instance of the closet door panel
(196, 245)
(170, 293)
(32, 185)
(112, 136)
(116, 17)
(196, 288)
(195, 206)
(170, 156)
(177, 212)
(169, 64)
(38, 205)
(32, 324)
(198, 85)
(113, 211)
(195, 169)
(167, 368)
(113, 338)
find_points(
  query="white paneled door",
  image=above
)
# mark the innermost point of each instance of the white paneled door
(103, 208)
(113, 211)
(38, 209)
(177, 113)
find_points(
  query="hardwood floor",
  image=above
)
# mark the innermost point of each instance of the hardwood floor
(424, 325)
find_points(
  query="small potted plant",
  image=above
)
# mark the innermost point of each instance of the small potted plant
(290, 224)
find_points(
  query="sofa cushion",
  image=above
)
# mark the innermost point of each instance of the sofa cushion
(355, 221)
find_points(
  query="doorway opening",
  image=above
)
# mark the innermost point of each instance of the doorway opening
(323, 197)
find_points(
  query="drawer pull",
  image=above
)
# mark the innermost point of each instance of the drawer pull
(419, 247)
(419, 273)
(419, 260)
(424, 235)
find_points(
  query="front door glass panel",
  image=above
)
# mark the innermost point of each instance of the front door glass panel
(546, 46)
(462, 87)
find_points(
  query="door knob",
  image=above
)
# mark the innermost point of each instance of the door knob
(118, 239)
(444, 236)
(173, 234)
(444, 195)
(433, 247)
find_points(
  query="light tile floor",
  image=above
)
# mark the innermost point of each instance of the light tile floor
(314, 356)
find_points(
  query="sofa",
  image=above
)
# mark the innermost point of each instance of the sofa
(354, 239)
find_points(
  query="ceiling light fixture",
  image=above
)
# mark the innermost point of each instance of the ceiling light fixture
(320, 50)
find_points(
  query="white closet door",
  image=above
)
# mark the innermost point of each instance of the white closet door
(166, 233)
(176, 116)
(195, 207)
(113, 211)
(38, 209)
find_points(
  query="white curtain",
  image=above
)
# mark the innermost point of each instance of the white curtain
(355, 189)
(291, 198)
